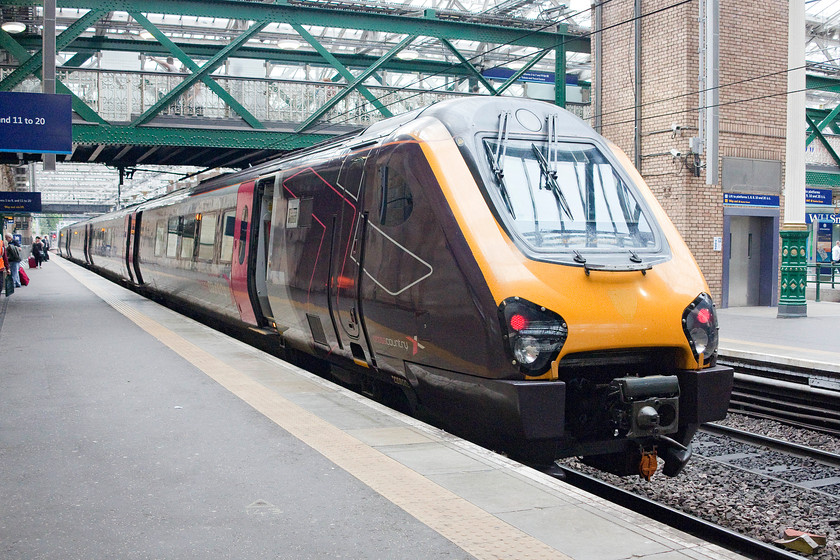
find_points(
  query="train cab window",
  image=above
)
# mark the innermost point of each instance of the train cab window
(564, 197)
(172, 237)
(160, 239)
(188, 237)
(395, 199)
(206, 236)
(228, 232)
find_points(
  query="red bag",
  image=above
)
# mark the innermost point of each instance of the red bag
(32, 262)
(24, 278)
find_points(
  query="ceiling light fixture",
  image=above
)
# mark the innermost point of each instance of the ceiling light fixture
(288, 44)
(146, 35)
(13, 27)
(408, 55)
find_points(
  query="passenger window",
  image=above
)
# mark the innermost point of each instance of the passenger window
(188, 237)
(395, 199)
(172, 237)
(228, 230)
(160, 239)
(206, 236)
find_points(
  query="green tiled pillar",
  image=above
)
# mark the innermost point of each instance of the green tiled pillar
(794, 271)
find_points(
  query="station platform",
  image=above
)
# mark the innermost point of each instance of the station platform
(129, 431)
(811, 343)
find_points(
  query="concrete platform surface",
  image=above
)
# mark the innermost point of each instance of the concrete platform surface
(758, 333)
(129, 431)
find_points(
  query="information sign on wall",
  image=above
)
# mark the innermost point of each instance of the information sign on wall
(36, 123)
(20, 202)
(818, 196)
(745, 199)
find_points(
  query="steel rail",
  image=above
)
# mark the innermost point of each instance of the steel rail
(789, 448)
(791, 403)
(709, 532)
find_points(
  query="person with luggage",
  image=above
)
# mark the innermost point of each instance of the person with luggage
(5, 278)
(38, 251)
(13, 255)
(46, 242)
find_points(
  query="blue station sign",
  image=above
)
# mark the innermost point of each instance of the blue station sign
(818, 196)
(743, 199)
(502, 74)
(20, 202)
(36, 123)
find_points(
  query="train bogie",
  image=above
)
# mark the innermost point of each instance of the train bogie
(494, 260)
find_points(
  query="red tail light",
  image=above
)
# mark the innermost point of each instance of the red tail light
(518, 322)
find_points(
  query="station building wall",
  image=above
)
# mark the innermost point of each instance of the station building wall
(752, 122)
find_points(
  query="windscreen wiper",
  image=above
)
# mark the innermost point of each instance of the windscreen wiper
(497, 160)
(550, 177)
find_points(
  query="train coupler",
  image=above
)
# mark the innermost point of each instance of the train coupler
(648, 464)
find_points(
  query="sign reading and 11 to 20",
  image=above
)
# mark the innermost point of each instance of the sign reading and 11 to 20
(36, 123)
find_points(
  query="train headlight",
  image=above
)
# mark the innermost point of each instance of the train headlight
(701, 327)
(535, 335)
(526, 350)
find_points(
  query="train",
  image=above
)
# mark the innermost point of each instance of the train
(492, 261)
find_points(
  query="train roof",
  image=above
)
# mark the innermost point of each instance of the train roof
(461, 116)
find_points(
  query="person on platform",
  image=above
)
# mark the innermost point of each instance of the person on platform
(46, 242)
(835, 253)
(38, 251)
(13, 256)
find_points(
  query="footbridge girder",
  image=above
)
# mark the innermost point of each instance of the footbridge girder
(194, 108)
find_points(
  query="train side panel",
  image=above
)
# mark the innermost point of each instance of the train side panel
(186, 248)
(107, 244)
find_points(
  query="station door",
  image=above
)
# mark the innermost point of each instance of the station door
(751, 261)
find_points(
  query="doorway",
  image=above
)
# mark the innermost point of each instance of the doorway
(751, 248)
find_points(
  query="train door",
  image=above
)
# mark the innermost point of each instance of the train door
(349, 225)
(241, 243)
(132, 247)
(135, 247)
(88, 240)
(259, 254)
(129, 230)
(399, 244)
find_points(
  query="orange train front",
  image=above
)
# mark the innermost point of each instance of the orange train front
(493, 261)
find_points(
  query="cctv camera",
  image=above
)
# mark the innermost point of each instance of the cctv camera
(676, 153)
(675, 127)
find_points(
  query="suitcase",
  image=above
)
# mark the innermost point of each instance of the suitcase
(32, 262)
(24, 278)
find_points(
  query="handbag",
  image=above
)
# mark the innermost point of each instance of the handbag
(10, 285)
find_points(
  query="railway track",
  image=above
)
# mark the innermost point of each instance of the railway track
(823, 457)
(785, 394)
(772, 395)
(709, 532)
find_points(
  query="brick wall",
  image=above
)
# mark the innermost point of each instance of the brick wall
(753, 43)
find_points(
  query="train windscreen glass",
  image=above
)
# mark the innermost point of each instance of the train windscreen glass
(567, 196)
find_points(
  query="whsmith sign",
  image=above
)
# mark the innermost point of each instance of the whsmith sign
(36, 123)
